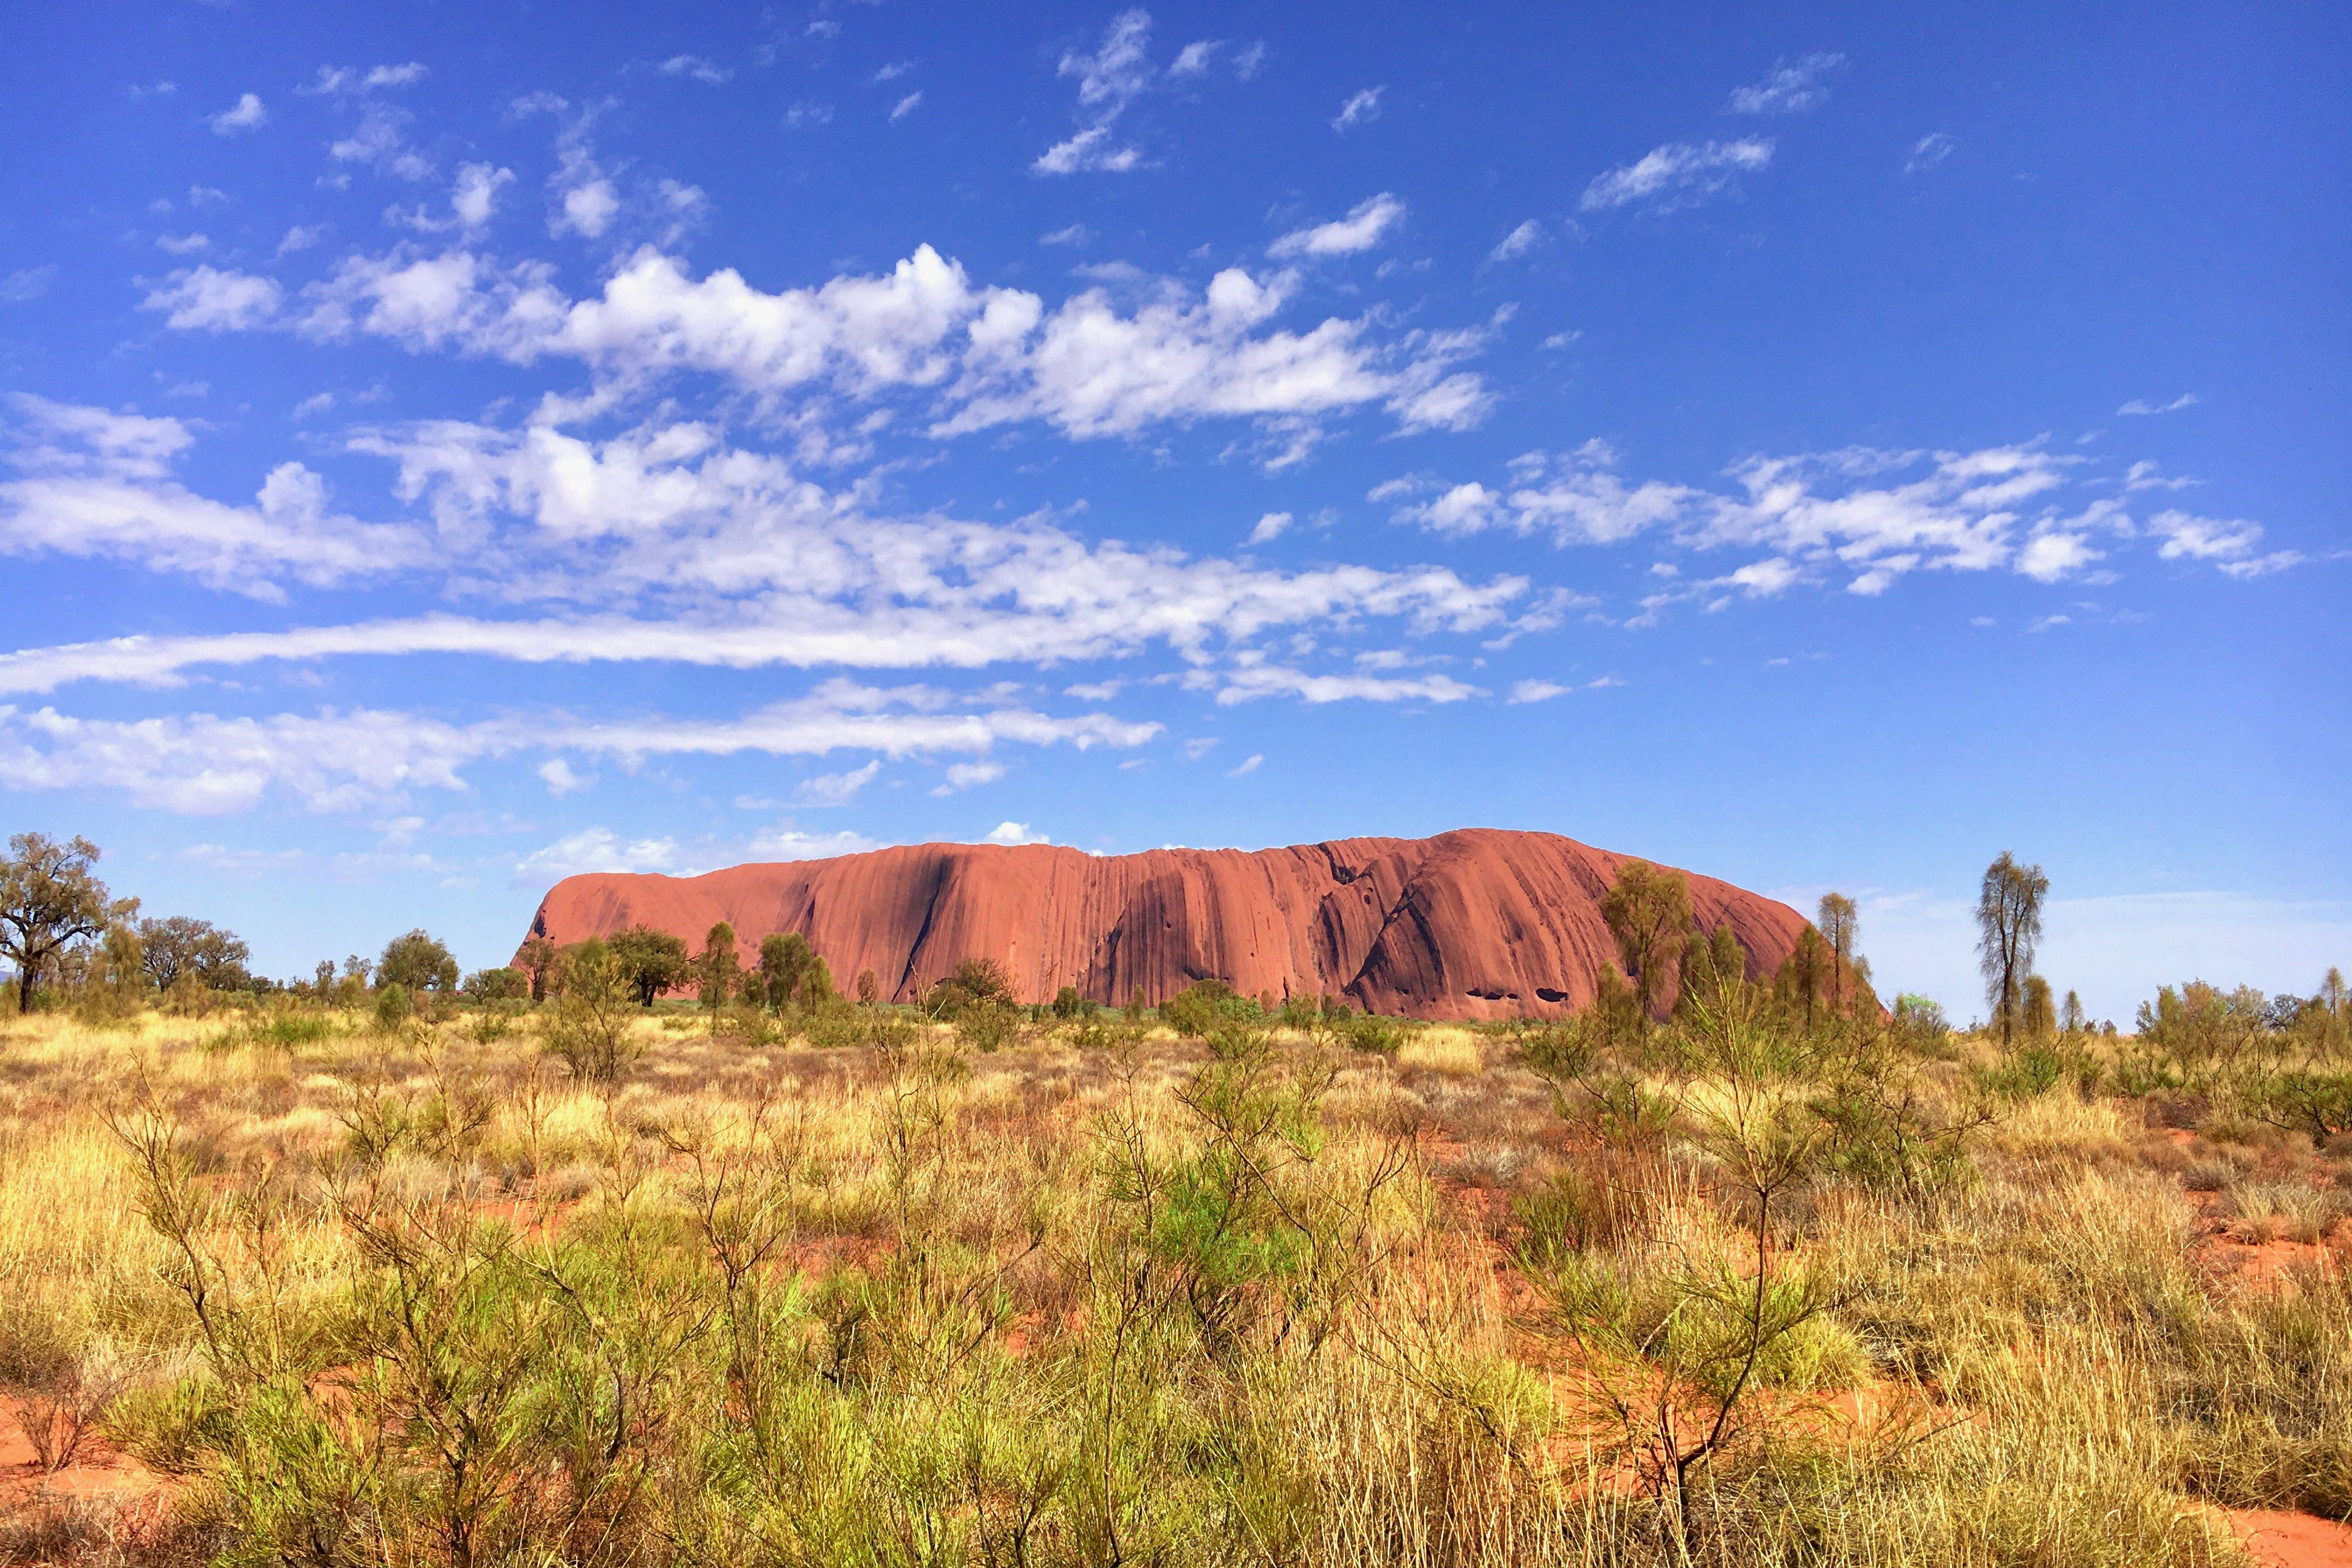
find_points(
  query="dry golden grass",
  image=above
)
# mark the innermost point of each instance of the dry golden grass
(424, 1299)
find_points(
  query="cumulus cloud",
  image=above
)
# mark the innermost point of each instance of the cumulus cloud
(1792, 88)
(593, 849)
(560, 780)
(2229, 545)
(1368, 223)
(476, 194)
(970, 775)
(1094, 364)
(1537, 690)
(247, 114)
(1016, 833)
(92, 483)
(1362, 108)
(210, 300)
(837, 789)
(1679, 174)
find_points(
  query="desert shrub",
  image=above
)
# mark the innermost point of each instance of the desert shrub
(988, 1026)
(1370, 1032)
(392, 1007)
(1205, 1005)
(594, 1008)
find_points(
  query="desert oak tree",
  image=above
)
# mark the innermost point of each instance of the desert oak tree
(2008, 919)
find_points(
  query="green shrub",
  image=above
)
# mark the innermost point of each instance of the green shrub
(392, 1007)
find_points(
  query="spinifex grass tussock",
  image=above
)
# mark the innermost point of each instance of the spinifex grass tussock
(590, 1288)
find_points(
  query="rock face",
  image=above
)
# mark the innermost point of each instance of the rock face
(1480, 924)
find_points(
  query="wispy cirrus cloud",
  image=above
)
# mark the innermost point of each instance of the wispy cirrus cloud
(1679, 174)
(1793, 86)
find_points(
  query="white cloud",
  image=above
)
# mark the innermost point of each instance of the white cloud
(1016, 833)
(837, 789)
(1537, 690)
(246, 114)
(2052, 557)
(695, 65)
(1193, 58)
(1198, 747)
(2147, 475)
(995, 355)
(1075, 234)
(208, 299)
(1677, 174)
(1249, 765)
(1251, 60)
(1929, 151)
(94, 483)
(2229, 545)
(593, 849)
(906, 106)
(1253, 678)
(808, 112)
(1117, 71)
(969, 776)
(301, 237)
(787, 843)
(1367, 223)
(347, 761)
(2140, 405)
(1362, 108)
(1518, 242)
(182, 244)
(1792, 88)
(1089, 151)
(205, 196)
(26, 283)
(561, 780)
(1269, 527)
(476, 194)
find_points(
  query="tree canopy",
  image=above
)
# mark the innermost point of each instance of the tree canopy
(49, 898)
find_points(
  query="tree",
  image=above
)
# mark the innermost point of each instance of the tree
(536, 958)
(2009, 916)
(717, 967)
(651, 961)
(417, 961)
(784, 958)
(1840, 927)
(47, 899)
(2036, 1016)
(491, 986)
(1805, 973)
(869, 988)
(2071, 1017)
(180, 947)
(591, 1030)
(1648, 910)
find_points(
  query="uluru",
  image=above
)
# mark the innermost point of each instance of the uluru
(1477, 923)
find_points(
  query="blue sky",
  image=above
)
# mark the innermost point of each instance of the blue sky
(449, 448)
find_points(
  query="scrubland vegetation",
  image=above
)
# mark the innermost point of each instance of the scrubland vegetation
(1723, 1269)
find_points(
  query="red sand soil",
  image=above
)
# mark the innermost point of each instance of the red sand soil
(99, 1470)
(1477, 923)
(2292, 1540)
